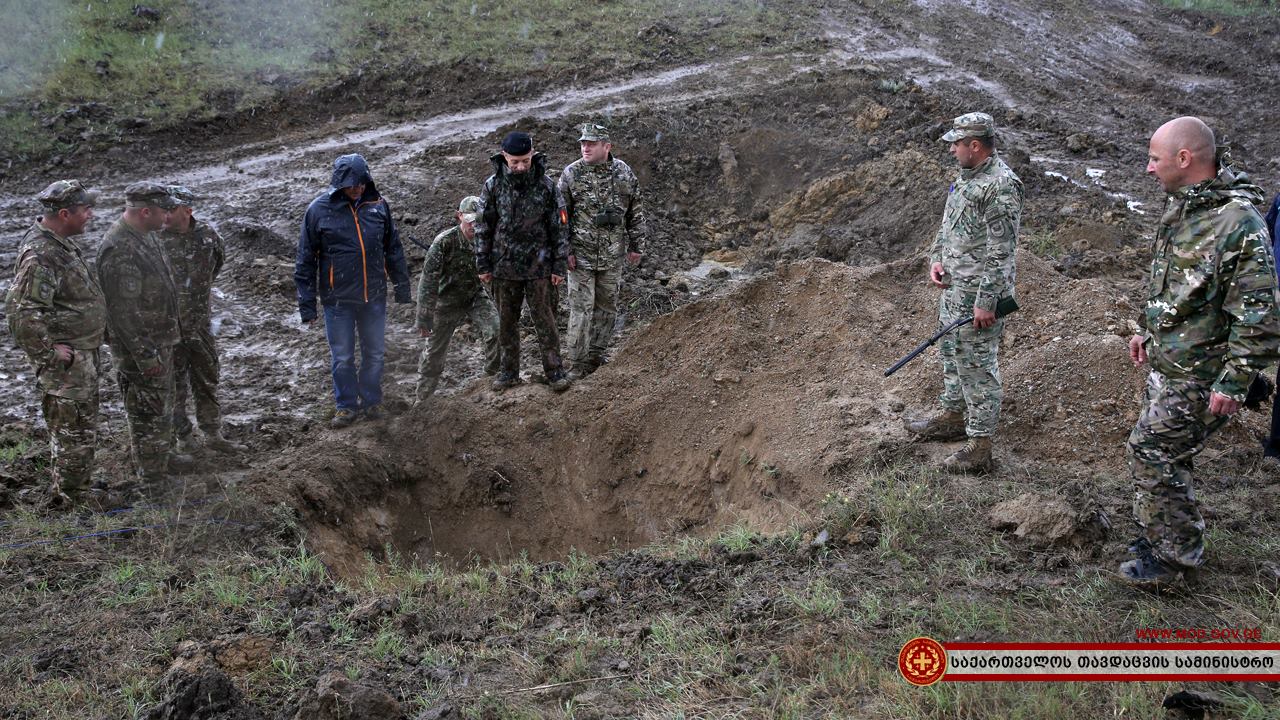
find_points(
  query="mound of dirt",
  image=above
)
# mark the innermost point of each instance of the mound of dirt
(734, 408)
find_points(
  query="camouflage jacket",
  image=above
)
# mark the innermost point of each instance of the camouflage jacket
(1211, 309)
(196, 257)
(142, 302)
(448, 275)
(55, 299)
(522, 226)
(606, 218)
(979, 232)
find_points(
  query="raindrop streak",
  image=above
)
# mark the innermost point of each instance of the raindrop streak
(473, 9)
(159, 40)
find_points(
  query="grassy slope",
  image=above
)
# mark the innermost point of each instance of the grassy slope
(743, 625)
(203, 59)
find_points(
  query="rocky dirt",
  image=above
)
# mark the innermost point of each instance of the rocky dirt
(791, 197)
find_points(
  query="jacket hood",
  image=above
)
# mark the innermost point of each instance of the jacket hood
(499, 162)
(1227, 185)
(349, 170)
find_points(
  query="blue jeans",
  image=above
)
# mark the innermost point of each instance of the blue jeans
(342, 323)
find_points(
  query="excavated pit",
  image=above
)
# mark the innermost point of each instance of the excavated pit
(738, 408)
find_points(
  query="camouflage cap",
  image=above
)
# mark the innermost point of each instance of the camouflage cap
(149, 194)
(593, 131)
(974, 124)
(469, 204)
(65, 194)
(182, 195)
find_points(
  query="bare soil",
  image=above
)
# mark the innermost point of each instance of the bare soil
(791, 197)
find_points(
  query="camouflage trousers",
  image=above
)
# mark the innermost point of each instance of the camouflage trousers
(196, 369)
(449, 316)
(148, 404)
(1171, 430)
(510, 296)
(593, 309)
(73, 436)
(970, 366)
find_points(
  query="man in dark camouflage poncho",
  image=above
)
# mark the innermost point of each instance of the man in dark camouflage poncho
(522, 248)
(1210, 324)
(58, 317)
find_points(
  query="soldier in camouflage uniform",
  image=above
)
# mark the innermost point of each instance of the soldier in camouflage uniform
(972, 260)
(606, 221)
(143, 322)
(58, 317)
(449, 292)
(195, 254)
(522, 248)
(1210, 325)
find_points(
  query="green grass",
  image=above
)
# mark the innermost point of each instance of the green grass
(203, 59)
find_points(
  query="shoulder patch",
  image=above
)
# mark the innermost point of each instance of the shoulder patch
(42, 286)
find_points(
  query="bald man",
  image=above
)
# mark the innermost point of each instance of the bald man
(1211, 323)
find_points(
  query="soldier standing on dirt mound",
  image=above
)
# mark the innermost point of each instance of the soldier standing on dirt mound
(349, 244)
(58, 317)
(522, 248)
(606, 222)
(143, 322)
(1210, 325)
(194, 251)
(449, 292)
(972, 260)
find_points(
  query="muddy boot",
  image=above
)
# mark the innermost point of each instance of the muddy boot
(1147, 571)
(188, 444)
(373, 412)
(946, 425)
(216, 442)
(426, 388)
(974, 457)
(558, 381)
(504, 381)
(180, 463)
(342, 418)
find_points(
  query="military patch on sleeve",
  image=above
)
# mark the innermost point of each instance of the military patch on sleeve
(129, 285)
(42, 287)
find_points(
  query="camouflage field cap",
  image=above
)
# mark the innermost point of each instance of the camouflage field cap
(182, 195)
(593, 131)
(66, 194)
(469, 204)
(149, 194)
(974, 124)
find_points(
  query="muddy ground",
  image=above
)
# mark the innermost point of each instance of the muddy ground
(791, 194)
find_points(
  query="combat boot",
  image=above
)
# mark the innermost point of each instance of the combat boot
(974, 457)
(216, 442)
(180, 463)
(946, 425)
(1148, 571)
(188, 444)
(426, 388)
(342, 418)
(505, 380)
(558, 381)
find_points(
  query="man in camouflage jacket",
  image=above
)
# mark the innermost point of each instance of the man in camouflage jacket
(143, 320)
(606, 221)
(58, 317)
(1210, 325)
(972, 260)
(195, 253)
(522, 248)
(449, 292)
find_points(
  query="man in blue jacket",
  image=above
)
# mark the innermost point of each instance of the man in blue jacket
(348, 246)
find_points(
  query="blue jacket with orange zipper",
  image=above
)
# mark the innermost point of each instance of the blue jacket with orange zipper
(347, 249)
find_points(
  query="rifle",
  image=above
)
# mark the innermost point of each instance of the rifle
(418, 242)
(1005, 306)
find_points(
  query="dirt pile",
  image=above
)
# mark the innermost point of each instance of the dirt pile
(735, 408)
